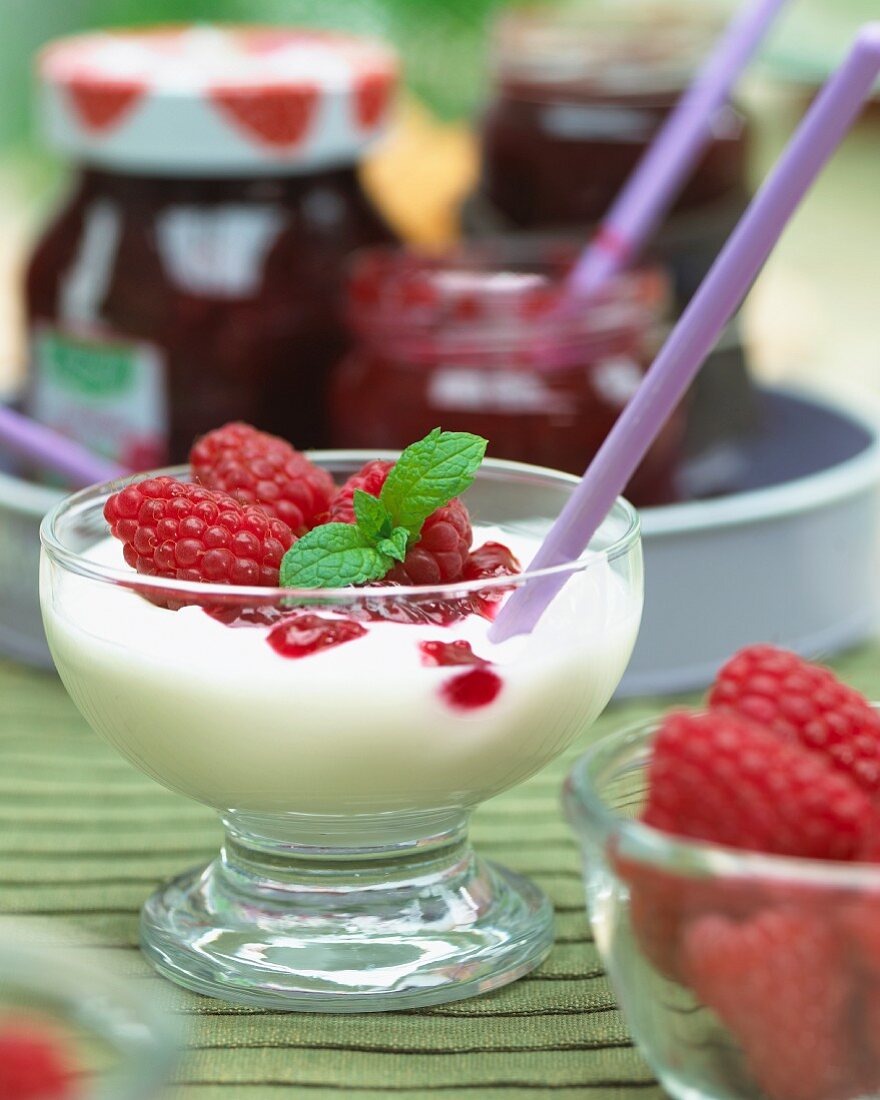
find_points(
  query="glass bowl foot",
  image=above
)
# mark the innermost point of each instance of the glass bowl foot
(349, 934)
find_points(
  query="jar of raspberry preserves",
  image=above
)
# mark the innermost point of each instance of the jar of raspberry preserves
(193, 274)
(580, 90)
(475, 341)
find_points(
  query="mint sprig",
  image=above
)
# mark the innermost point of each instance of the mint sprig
(428, 474)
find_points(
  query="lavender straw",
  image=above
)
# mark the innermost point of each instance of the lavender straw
(659, 176)
(722, 291)
(45, 447)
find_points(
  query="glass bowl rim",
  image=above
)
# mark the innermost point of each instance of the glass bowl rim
(589, 813)
(78, 563)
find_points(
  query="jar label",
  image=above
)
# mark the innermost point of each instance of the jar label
(104, 391)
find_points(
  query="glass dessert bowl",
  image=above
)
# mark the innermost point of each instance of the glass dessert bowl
(344, 736)
(740, 974)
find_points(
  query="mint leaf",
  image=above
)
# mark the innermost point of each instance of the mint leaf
(429, 474)
(395, 545)
(426, 476)
(334, 555)
(372, 516)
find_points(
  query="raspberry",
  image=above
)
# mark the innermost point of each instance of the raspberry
(662, 903)
(256, 468)
(33, 1065)
(718, 777)
(779, 983)
(370, 478)
(441, 552)
(806, 703)
(656, 912)
(859, 923)
(492, 559)
(171, 529)
(869, 1019)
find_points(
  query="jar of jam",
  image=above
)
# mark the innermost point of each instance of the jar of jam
(476, 341)
(193, 275)
(580, 91)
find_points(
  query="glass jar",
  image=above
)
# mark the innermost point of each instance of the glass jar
(476, 341)
(580, 92)
(581, 88)
(193, 274)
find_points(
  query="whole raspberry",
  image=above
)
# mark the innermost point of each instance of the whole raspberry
(779, 983)
(662, 904)
(370, 478)
(439, 556)
(803, 702)
(171, 529)
(33, 1065)
(718, 777)
(256, 468)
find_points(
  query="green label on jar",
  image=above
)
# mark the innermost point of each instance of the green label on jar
(108, 393)
(88, 367)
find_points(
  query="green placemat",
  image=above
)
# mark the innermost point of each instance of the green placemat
(84, 838)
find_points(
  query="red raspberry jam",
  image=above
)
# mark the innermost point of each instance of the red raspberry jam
(35, 1063)
(581, 90)
(471, 342)
(410, 612)
(302, 635)
(193, 274)
(478, 687)
(579, 96)
(492, 559)
(239, 617)
(445, 654)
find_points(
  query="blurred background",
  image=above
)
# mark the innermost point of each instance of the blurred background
(815, 303)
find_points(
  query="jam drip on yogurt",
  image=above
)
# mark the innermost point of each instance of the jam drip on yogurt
(302, 635)
(469, 690)
(478, 687)
(458, 652)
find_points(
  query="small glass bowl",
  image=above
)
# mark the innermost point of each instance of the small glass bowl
(684, 927)
(120, 1046)
(344, 781)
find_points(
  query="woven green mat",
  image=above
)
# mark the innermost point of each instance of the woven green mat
(84, 838)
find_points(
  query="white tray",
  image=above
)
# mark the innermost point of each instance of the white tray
(792, 559)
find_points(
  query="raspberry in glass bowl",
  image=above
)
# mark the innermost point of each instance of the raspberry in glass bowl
(70, 1029)
(733, 884)
(344, 734)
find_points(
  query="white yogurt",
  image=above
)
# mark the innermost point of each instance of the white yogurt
(217, 714)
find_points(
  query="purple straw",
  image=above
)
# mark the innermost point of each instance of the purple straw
(721, 293)
(662, 171)
(45, 447)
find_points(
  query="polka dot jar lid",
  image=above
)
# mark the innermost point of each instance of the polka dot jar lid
(215, 100)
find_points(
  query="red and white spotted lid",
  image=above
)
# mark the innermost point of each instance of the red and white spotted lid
(215, 100)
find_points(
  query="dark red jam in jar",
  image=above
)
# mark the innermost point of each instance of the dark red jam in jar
(193, 274)
(580, 92)
(475, 341)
